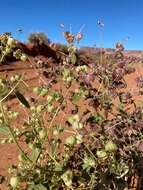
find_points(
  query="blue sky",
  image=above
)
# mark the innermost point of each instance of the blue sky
(122, 18)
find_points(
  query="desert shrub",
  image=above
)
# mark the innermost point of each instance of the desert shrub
(38, 37)
(101, 146)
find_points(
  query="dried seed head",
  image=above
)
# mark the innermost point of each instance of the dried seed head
(119, 46)
(69, 37)
(79, 36)
(100, 23)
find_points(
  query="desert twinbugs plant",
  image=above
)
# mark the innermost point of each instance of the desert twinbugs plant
(74, 135)
(8, 48)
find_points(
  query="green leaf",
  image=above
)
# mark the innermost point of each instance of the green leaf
(58, 168)
(110, 146)
(77, 125)
(4, 130)
(79, 139)
(38, 187)
(73, 119)
(101, 154)
(70, 141)
(73, 59)
(35, 154)
(54, 146)
(67, 178)
(22, 99)
(95, 119)
(76, 97)
(88, 162)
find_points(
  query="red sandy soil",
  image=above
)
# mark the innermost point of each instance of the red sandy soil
(134, 53)
(127, 53)
(9, 152)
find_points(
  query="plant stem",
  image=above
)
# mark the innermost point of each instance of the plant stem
(12, 133)
(10, 91)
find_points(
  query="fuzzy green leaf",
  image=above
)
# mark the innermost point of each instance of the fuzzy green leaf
(67, 178)
(76, 97)
(73, 59)
(38, 187)
(4, 130)
(35, 154)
